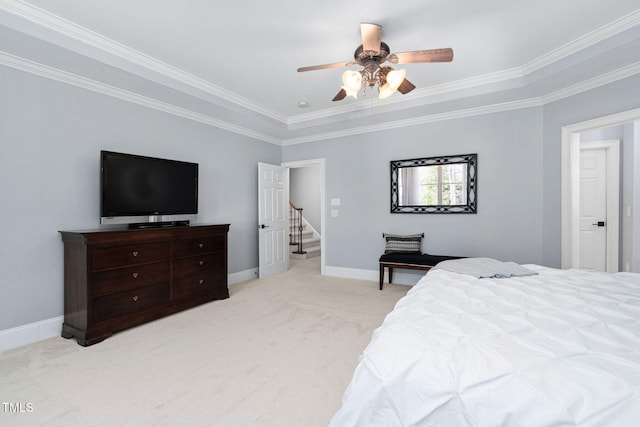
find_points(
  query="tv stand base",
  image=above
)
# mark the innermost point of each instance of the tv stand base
(161, 224)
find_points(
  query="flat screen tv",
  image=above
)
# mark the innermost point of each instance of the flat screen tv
(147, 190)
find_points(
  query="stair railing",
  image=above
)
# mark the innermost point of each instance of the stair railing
(295, 223)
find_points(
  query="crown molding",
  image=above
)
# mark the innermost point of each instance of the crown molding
(450, 115)
(115, 92)
(424, 96)
(455, 89)
(81, 34)
(607, 31)
(604, 79)
(610, 77)
(419, 97)
(98, 87)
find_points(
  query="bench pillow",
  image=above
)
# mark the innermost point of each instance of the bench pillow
(398, 243)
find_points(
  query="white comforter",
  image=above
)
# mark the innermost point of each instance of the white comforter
(561, 348)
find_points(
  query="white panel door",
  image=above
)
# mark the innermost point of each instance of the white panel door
(593, 209)
(273, 202)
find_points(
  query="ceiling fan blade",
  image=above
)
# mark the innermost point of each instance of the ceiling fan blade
(371, 37)
(321, 67)
(340, 96)
(433, 55)
(405, 87)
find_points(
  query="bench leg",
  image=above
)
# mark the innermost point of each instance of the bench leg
(391, 266)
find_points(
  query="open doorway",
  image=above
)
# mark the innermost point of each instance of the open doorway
(307, 191)
(623, 219)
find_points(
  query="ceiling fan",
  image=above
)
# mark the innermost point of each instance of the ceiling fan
(371, 54)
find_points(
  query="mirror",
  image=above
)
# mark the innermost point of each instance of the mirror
(434, 184)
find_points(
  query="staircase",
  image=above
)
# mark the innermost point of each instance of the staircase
(304, 241)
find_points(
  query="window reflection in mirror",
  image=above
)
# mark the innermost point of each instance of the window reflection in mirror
(434, 185)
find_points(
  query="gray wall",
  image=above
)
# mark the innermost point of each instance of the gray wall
(51, 134)
(518, 218)
(50, 138)
(600, 102)
(508, 224)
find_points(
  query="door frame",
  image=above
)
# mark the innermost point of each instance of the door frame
(571, 179)
(321, 163)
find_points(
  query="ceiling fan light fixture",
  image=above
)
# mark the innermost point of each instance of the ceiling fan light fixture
(352, 82)
(386, 91)
(395, 78)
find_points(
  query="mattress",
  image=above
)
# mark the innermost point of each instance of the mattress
(558, 348)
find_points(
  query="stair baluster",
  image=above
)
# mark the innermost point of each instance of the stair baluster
(296, 217)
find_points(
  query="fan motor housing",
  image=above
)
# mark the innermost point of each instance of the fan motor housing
(363, 56)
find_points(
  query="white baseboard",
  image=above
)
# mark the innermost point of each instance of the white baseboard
(351, 273)
(242, 276)
(49, 328)
(373, 275)
(344, 272)
(33, 332)
(408, 279)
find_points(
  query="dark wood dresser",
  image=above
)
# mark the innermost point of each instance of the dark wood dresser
(116, 279)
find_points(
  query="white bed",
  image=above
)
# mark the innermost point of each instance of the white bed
(559, 348)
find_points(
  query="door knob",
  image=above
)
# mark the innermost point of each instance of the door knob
(599, 224)
(264, 226)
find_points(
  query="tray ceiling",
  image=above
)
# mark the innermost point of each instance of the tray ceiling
(234, 64)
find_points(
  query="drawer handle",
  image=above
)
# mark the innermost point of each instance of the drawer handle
(135, 297)
(135, 253)
(135, 275)
(201, 245)
(201, 262)
(201, 281)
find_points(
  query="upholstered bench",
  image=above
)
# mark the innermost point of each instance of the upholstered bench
(409, 261)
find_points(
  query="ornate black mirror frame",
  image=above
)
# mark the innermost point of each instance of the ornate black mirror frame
(471, 160)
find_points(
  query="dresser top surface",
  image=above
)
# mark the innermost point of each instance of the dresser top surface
(110, 233)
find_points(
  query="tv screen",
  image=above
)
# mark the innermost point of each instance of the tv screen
(133, 185)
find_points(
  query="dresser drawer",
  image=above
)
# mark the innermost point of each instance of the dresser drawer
(120, 279)
(198, 284)
(120, 256)
(197, 245)
(121, 303)
(198, 264)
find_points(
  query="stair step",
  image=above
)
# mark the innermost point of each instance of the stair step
(310, 253)
(306, 244)
(305, 236)
(310, 243)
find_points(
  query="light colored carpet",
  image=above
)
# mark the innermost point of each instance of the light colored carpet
(279, 352)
